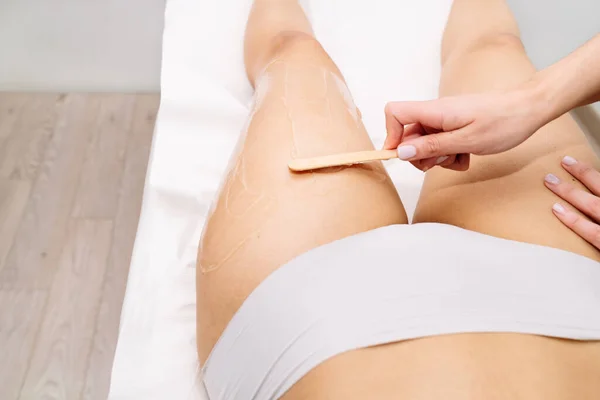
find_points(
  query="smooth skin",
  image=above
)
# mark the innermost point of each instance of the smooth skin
(447, 131)
(495, 121)
(265, 215)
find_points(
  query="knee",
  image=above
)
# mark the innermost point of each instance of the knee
(498, 41)
(293, 46)
(293, 43)
(508, 41)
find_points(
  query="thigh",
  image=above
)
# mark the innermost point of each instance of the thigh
(503, 195)
(264, 215)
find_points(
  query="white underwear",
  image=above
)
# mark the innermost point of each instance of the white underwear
(396, 283)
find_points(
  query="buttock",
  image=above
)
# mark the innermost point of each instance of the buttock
(381, 307)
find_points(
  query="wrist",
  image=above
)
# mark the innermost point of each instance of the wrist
(542, 100)
(534, 102)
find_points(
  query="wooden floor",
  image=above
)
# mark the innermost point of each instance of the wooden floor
(72, 170)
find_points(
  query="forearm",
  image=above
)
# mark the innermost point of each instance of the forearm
(573, 81)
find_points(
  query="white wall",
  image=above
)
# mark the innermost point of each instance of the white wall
(90, 45)
(552, 29)
(115, 45)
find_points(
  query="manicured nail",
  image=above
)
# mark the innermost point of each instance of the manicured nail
(558, 209)
(568, 160)
(441, 160)
(406, 152)
(552, 179)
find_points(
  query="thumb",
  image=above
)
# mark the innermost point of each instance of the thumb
(433, 145)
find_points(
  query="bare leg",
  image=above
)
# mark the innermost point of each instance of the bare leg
(265, 215)
(501, 195)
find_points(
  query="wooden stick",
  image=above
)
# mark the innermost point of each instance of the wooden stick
(334, 160)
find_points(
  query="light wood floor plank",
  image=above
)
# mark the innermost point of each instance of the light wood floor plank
(13, 198)
(22, 150)
(100, 179)
(10, 109)
(73, 353)
(19, 323)
(32, 259)
(61, 356)
(128, 210)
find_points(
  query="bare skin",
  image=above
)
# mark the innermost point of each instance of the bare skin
(496, 120)
(265, 216)
(503, 194)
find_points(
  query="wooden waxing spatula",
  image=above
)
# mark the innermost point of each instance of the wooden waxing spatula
(335, 160)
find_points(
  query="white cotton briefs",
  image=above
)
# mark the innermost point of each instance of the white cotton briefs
(396, 283)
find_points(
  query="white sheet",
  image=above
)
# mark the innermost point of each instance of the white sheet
(387, 50)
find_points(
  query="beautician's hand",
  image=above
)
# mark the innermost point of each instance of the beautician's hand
(444, 132)
(586, 202)
(428, 132)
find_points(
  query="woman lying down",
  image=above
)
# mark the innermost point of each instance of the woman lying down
(313, 285)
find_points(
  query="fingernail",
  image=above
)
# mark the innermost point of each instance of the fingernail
(425, 169)
(441, 160)
(568, 160)
(552, 179)
(558, 209)
(406, 152)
